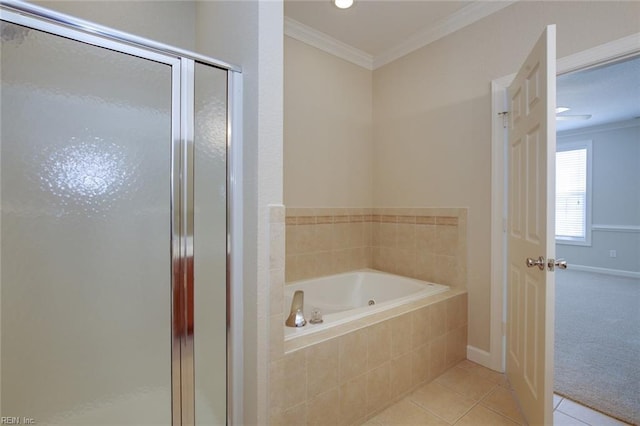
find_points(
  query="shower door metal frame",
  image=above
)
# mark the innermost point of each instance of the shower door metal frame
(182, 65)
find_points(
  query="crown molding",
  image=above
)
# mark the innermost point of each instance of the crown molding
(465, 16)
(322, 41)
(460, 19)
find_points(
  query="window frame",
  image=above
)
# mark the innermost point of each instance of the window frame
(574, 146)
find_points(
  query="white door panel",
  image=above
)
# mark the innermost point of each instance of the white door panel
(531, 216)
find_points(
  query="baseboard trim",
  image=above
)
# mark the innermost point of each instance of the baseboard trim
(617, 272)
(480, 356)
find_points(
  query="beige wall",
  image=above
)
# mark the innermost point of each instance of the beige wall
(432, 139)
(431, 127)
(327, 129)
(169, 22)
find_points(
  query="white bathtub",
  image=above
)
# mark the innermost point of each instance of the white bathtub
(352, 295)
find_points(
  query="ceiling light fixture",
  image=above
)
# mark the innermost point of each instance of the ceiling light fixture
(343, 4)
(562, 109)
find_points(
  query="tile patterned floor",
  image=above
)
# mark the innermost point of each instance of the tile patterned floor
(471, 395)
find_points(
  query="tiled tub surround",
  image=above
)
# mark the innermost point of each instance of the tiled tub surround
(347, 374)
(429, 244)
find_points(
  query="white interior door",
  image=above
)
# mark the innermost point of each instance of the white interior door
(531, 218)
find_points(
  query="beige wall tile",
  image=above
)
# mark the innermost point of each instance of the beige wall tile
(379, 344)
(437, 361)
(367, 237)
(340, 235)
(291, 269)
(306, 266)
(361, 257)
(276, 387)
(400, 335)
(341, 259)
(456, 312)
(324, 263)
(446, 240)
(386, 234)
(420, 360)
(353, 400)
(426, 238)
(324, 237)
(401, 374)
(322, 367)
(305, 239)
(363, 370)
(406, 236)
(352, 355)
(355, 237)
(437, 320)
(420, 326)
(446, 270)
(405, 262)
(276, 418)
(378, 390)
(382, 259)
(425, 266)
(295, 416)
(397, 241)
(291, 236)
(456, 346)
(323, 410)
(295, 379)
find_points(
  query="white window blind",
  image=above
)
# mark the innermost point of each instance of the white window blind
(571, 194)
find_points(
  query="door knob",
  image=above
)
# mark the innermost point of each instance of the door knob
(539, 262)
(559, 263)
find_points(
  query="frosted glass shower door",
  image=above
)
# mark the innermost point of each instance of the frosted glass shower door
(86, 166)
(210, 243)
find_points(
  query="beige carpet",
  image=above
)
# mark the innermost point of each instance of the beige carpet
(597, 349)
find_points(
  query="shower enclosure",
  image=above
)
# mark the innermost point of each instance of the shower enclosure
(116, 171)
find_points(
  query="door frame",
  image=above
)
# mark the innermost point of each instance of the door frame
(599, 55)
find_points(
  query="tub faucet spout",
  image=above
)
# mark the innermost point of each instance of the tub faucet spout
(296, 317)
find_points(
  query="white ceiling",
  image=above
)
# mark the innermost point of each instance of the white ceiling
(375, 32)
(371, 26)
(610, 93)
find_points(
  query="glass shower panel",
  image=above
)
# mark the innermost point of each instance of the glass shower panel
(210, 248)
(85, 179)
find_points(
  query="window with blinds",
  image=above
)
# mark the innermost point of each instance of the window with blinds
(573, 193)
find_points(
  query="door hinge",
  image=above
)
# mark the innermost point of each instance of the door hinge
(505, 116)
